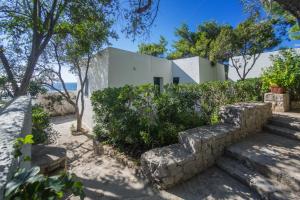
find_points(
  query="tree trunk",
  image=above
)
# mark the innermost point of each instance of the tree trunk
(28, 74)
(79, 120)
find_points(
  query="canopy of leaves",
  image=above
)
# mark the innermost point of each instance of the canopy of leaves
(154, 49)
(196, 43)
(284, 11)
(248, 38)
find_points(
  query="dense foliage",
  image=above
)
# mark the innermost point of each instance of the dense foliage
(154, 49)
(286, 11)
(196, 43)
(285, 72)
(40, 124)
(135, 119)
(248, 40)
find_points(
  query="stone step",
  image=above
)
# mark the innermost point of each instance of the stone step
(285, 121)
(264, 187)
(285, 132)
(273, 156)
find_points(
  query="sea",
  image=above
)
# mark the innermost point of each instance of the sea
(70, 87)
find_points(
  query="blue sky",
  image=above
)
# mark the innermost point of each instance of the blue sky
(172, 13)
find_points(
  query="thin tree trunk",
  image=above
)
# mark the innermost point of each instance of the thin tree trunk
(79, 120)
(27, 76)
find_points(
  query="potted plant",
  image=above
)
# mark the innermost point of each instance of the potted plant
(283, 74)
(274, 88)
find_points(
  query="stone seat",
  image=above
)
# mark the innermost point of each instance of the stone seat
(49, 158)
(200, 139)
(169, 164)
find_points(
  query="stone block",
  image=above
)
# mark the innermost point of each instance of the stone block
(280, 102)
(269, 97)
(162, 163)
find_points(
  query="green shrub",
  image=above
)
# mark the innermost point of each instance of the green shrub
(139, 118)
(285, 72)
(40, 123)
(36, 88)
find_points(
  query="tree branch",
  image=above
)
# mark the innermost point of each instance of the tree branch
(253, 63)
(236, 68)
(142, 9)
(8, 70)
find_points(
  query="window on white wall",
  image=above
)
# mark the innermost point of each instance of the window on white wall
(158, 81)
(176, 80)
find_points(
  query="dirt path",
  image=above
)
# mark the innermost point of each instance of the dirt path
(103, 177)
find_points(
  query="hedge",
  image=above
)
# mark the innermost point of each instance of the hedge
(137, 118)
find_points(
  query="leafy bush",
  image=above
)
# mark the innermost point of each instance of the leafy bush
(285, 72)
(139, 118)
(40, 124)
(30, 185)
(36, 88)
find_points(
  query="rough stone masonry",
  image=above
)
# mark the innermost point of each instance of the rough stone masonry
(199, 148)
(15, 121)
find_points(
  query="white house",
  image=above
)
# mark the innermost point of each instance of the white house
(264, 61)
(115, 68)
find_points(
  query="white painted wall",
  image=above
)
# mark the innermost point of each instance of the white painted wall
(210, 72)
(197, 70)
(115, 68)
(135, 69)
(97, 80)
(263, 62)
(187, 69)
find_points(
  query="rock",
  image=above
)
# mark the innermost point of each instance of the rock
(48, 157)
(280, 102)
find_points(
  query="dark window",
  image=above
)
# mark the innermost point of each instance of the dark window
(156, 81)
(175, 80)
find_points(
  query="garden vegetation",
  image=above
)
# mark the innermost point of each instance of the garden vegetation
(40, 125)
(137, 118)
(285, 73)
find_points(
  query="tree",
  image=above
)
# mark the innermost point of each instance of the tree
(196, 43)
(28, 26)
(74, 48)
(154, 49)
(248, 40)
(292, 6)
(285, 11)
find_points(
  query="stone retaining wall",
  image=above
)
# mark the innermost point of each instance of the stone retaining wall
(199, 148)
(295, 105)
(15, 121)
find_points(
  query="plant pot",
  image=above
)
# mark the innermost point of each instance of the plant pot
(277, 90)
